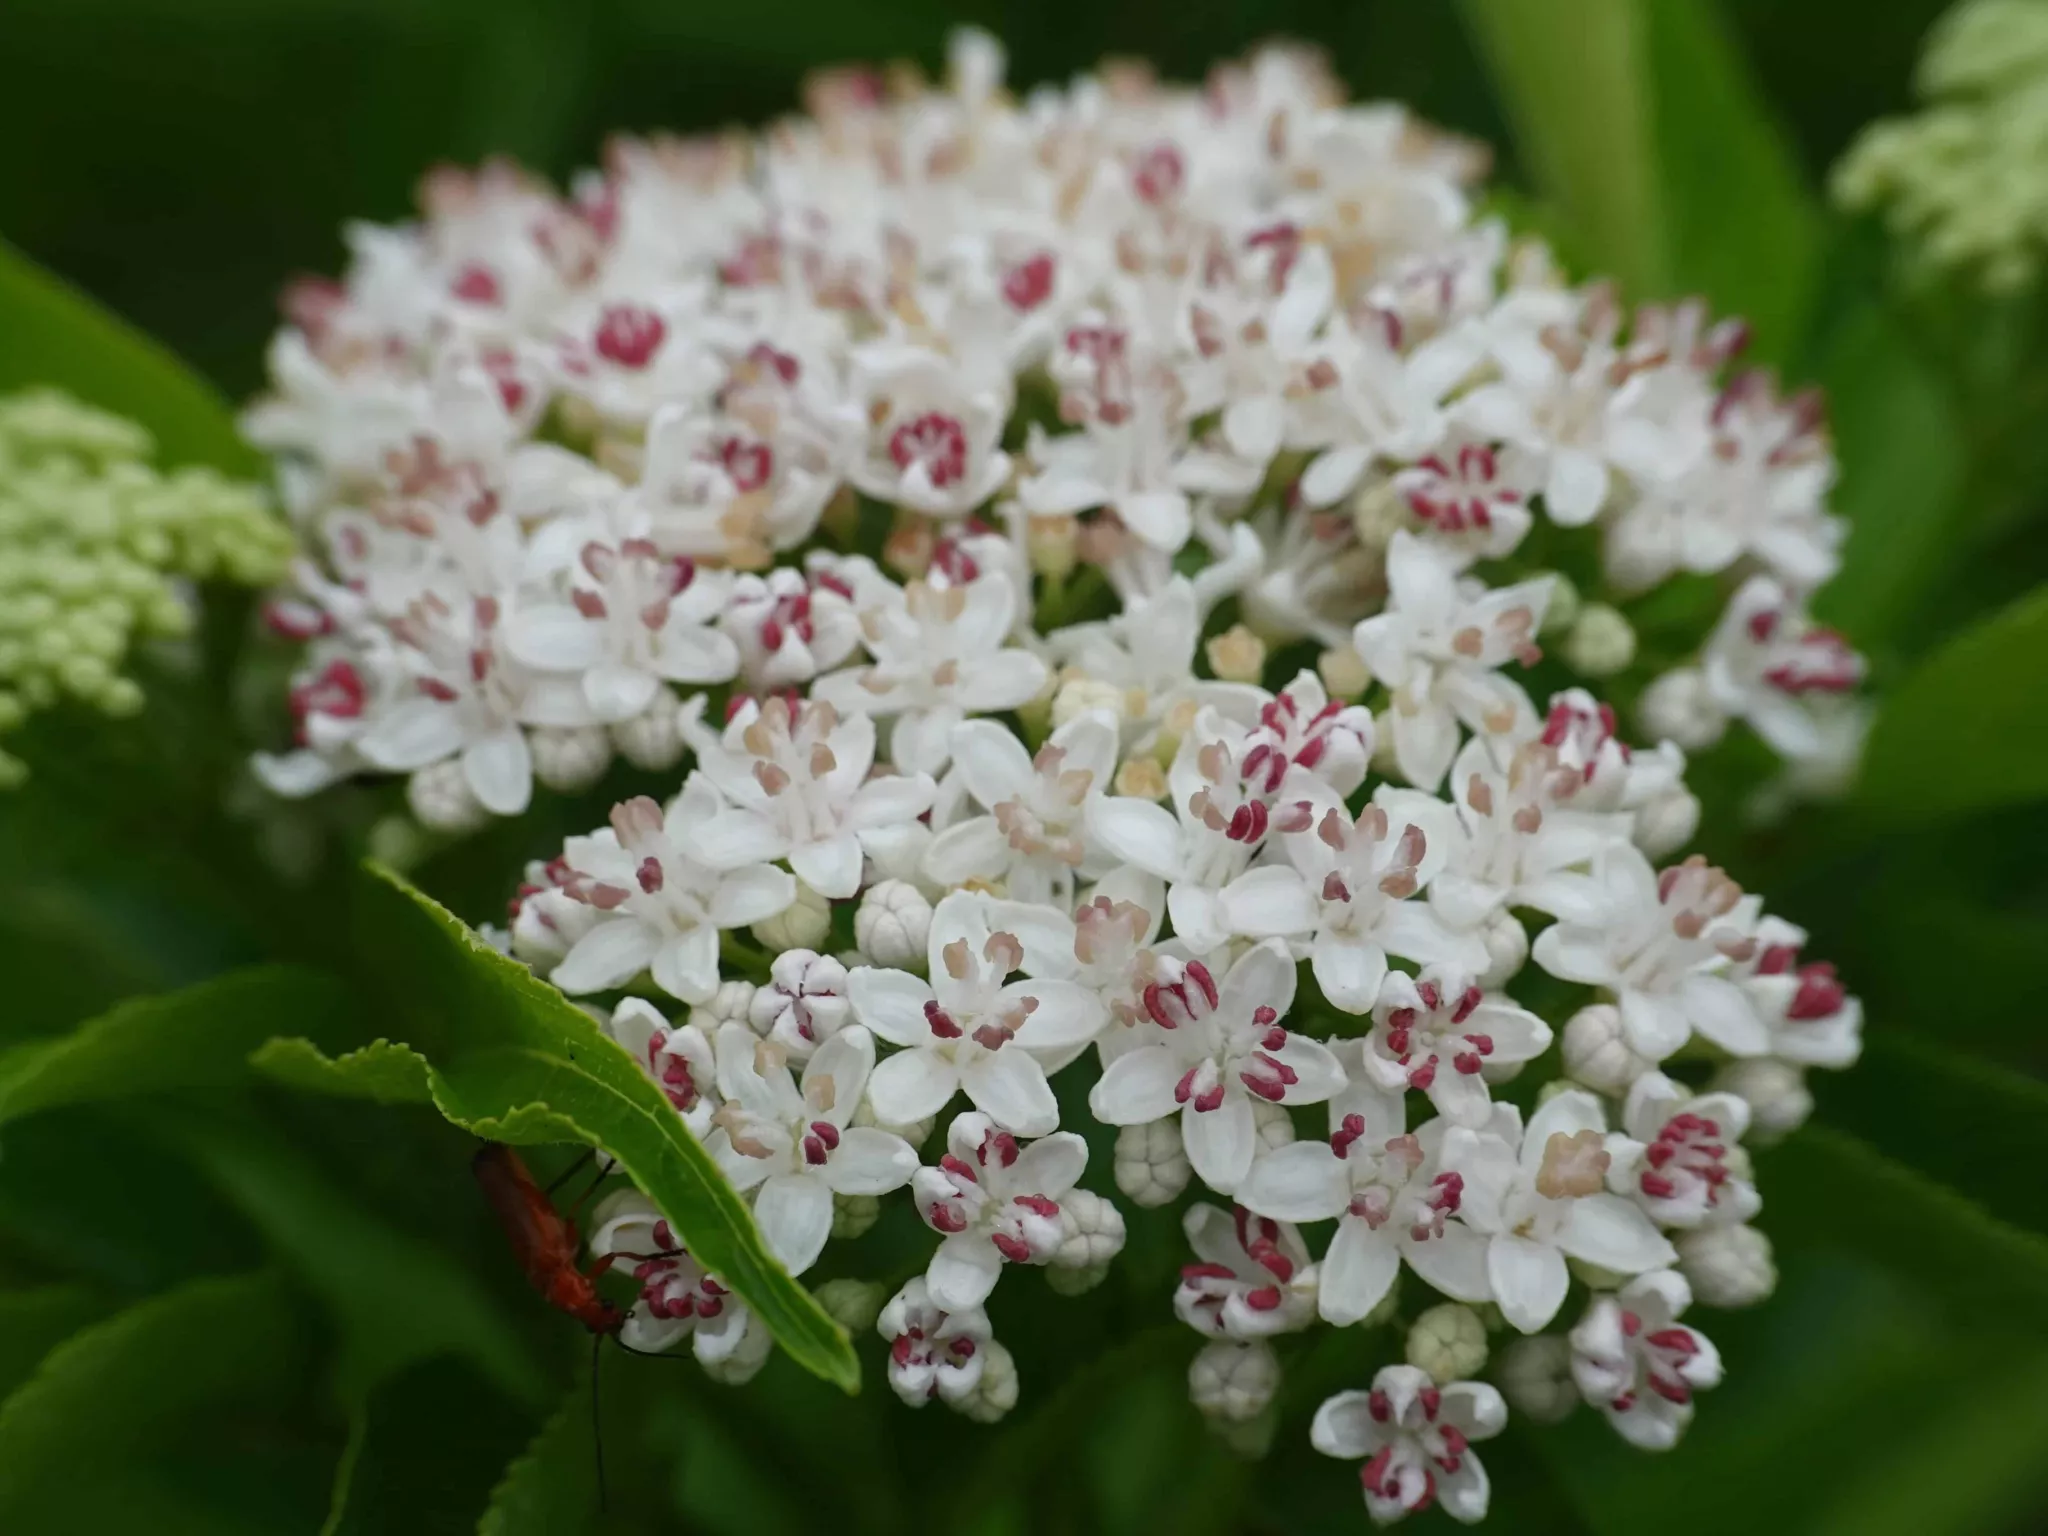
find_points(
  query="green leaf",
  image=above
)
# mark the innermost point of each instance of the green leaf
(32, 1322)
(199, 1037)
(551, 1489)
(115, 1390)
(1966, 731)
(397, 1299)
(1571, 76)
(506, 1056)
(1903, 466)
(383, 1070)
(55, 335)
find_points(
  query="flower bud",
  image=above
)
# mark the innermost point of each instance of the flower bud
(1535, 1376)
(1091, 1235)
(1666, 824)
(1562, 610)
(1343, 672)
(1141, 778)
(892, 924)
(1449, 1342)
(1273, 1126)
(851, 1216)
(1151, 1164)
(1378, 512)
(803, 924)
(1237, 655)
(1775, 1092)
(1602, 642)
(652, 739)
(1077, 695)
(1678, 706)
(917, 1133)
(746, 1359)
(397, 842)
(1049, 543)
(1232, 1383)
(852, 1304)
(568, 761)
(441, 798)
(1507, 950)
(1597, 1053)
(732, 1003)
(996, 1393)
(1727, 1266)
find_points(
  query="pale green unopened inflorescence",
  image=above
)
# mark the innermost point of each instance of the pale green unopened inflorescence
(94, 547)
(1967, 177)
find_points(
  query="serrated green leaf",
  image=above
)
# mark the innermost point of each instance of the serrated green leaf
(511, 1059)
(552, 1488)
(1572, 77)
(383, 1070)
(113, 1389)
(1966, 731)
(398, 1300)
(199, 1037)
(33, 1322)
(56, 335)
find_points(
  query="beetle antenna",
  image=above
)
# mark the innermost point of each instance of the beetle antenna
(597, 1422)
(570, 1172)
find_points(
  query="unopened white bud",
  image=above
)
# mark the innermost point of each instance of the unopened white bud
(1151, 1163)
(1273, 1126)
(1378, 512)
(396, 842)
(1562, 610)
(996, 1393)
(852, 1304)
(652, 739)
(852, 1215)
(441, 798)
(916, 1133)
(1233, 1382)
(803, 924)
(1597, 1052)
(1727, 1266)
(1775, 1092)
(1535, 1376)
(1507, 950)
(1091, 1235)
(746, 1360)
(1237, 655)
(570, 760)
(732, 1003)
(1449, 1342)
(1078, 695)
(1344, 672)
(1602, 642)
(1678, 706)
(892, 924)
(1666, 824)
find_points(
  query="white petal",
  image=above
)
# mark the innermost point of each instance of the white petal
(1721, 1012)
(1614, 1233)
(831, 868)
(1302, 1181)
(870, 1162)
(617, 693)
(1068, 1014)
(1220, 1141)
(732, 838)
(1357, 1271)
(1349, 971)
(992, 761)
(751, 894)
(411, 735)
(500, 771)
(1575, 489)
(1252, 426)
(1344, 1427)
(1138, 832)
(967, 850)
(1528, 1280)
(964, 1271)
(891, 1003)
(1272, 900)
(1332, 475)
(911, 1086)
(1138, 1087)
(1455, 1263)
(1009, 1087)
(794, 1213)
(608, 956)
(554, 638)
(1160, 518)
(890, 800)
(686, 964)
(1051, 1166)
(1466, 1492)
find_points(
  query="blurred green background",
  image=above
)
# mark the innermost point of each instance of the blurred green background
(228, 1310)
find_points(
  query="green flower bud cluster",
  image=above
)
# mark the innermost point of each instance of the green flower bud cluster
(1967, 178)
(97, 551)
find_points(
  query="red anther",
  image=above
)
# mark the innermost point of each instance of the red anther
(630, 335)
(941, 1022)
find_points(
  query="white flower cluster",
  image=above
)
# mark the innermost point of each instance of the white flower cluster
(1096, 541)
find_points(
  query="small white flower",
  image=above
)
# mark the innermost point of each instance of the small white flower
(1439, 647)
(804, 1003)
(1769, 664)
(796, 1148)
(677, 1300)
(994, 1202)
(1218, 1049)
(1544, 1201)
(1438, 1032)
(1303, 727)
(934, 1352)
(1147, 654)
(970, 1027)
(1678, 1159)
(679, 1059)
(940, 654)
(789, 627)
(1034, 840)
(661, 910)
(1251, 1279)
(1812, 1018)
(1639, 1365)
(935, 444)
(1472, 500)
(1415, 1439)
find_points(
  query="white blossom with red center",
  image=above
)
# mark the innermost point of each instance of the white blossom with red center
(1344, 894)
(1769, 664)
(1677, 1155)
(661, 908)
(1315, 579)
(789, 626)
(1222, 1047)
(1439, 647)
(625, 360)
(934, 1351)
(941, 653)
(677, 1056)
(1811, 1016)
(1303, 727)
(1664, 944)
(934, 445)
(803, 1004)
(1439, 1032)
(1468, 499)
(971, 1027)
(1033, 841)
(1251, 1278)
(993, 1202)
(1639, 1365)
(1391, 1199)
(793, 1148)
(677, 1299)
(799, 787)
(1415, 1440)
